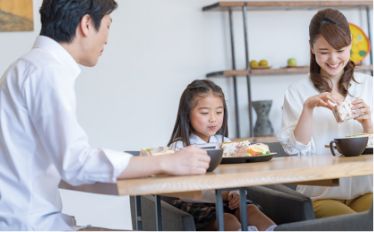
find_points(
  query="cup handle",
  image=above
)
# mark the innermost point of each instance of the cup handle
(332, 148)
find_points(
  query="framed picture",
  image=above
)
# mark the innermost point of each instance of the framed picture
(16, 15)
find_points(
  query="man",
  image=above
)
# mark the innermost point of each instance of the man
(41, 141)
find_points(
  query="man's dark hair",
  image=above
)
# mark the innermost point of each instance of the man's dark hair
(60, 18)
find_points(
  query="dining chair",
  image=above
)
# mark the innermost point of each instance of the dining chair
(281, 202)
(349, 222)
(173, 219)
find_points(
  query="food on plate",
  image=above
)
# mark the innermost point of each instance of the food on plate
(343, 111)
(235, 149)
(156, 151)
(258, 149)
(244, 148)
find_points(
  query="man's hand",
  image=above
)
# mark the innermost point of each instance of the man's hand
(187, 161)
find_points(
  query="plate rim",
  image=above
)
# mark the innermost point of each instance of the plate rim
(245, 158)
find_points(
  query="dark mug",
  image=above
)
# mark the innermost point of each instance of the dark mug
(349, 146)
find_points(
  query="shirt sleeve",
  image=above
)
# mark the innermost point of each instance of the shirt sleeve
(177, 145)
(50, 101)
(292, 107)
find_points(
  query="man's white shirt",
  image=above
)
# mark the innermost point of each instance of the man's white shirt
(41, 141)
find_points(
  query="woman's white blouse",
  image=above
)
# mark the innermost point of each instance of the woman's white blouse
(41, 141)
(325, 129)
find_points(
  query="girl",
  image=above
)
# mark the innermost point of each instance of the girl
(202, 119)
(308, 122)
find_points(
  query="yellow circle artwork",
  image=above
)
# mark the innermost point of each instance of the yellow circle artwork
(360, 44)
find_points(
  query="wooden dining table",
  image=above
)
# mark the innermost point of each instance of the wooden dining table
(315, 170)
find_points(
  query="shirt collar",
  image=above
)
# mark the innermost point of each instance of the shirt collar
(59, 53)
(194, 139)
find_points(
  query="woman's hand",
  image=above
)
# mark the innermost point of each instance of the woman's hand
(361, 113)
(304, 128)
(325, 99)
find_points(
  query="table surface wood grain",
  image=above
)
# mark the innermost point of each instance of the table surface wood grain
(278, 170)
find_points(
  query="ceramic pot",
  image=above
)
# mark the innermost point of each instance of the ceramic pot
(263, 125)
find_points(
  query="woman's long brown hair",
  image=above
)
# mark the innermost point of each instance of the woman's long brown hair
(332, 25)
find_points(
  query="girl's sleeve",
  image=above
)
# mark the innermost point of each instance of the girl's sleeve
(176, 145)
(291, 111)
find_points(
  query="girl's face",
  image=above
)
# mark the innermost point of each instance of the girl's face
(331, 61)
(207, 116)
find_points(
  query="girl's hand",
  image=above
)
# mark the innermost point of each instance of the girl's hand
(234, 200)
(361, 113)
(325, 99)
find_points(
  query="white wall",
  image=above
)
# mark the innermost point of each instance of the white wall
(156, 47)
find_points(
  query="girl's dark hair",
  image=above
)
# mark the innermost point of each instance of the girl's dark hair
(332, 25)
(198, 88)
(60, 18)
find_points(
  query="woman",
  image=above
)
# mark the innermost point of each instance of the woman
(308, 122)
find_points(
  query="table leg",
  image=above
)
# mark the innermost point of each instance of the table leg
(219, 210)
(158, 213)
(138, 213)
(243, 209)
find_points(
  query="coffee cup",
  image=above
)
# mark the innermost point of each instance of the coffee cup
(349, 146)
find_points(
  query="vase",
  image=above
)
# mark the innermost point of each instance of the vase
(263, 125)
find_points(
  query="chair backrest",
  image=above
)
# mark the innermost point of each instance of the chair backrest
(351, 222)
(134, 153)
(278, 148)
(281, 203)
(172, 218)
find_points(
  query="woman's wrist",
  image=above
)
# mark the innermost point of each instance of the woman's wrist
(308, 105)
(367, 126)
(307, 109)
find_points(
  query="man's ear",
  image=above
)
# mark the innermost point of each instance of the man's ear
(86, 25)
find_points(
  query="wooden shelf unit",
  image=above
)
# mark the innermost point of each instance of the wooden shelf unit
(276, 5)
(275, 71)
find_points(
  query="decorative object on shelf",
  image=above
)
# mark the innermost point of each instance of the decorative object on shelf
(291, 62)
(263, 125)
(262, 64)
(253, 64)
(16, 15)
(360, 44)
